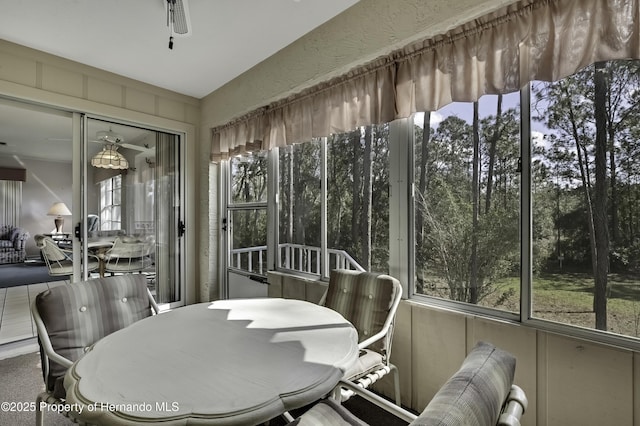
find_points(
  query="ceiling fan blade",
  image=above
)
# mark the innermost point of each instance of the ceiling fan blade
(178, 16)
(140, 148)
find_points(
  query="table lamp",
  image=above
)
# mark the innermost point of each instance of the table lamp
(58, 210)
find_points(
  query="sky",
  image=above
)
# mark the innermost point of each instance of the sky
(486, 107)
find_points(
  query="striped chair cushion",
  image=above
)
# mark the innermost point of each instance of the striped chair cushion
(475, 393)
(79, 314)
(363, 298)
(327, 413)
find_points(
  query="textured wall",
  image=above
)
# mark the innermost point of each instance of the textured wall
(367, 30)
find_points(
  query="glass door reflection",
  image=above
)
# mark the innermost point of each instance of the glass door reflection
(133, 208)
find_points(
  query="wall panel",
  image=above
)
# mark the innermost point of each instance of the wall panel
(438, 347)
(17, 69)
(138, 100)
(587, 383)
(105, 92)
(62, 81)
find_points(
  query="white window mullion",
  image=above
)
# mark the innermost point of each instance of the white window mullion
(324, 255)
(273, 208)
(400, 202)
(526, 219)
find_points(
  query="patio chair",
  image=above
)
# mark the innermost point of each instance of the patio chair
(480, 393)
(71, 318)
(129, 254)
(59, 261)
(369, 301)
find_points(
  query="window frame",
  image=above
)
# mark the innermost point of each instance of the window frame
(111, 206)
(401, 231)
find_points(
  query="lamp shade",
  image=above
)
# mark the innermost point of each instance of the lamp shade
(59, 209)
(110, 158)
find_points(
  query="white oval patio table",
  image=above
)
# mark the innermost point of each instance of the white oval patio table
(228, 362)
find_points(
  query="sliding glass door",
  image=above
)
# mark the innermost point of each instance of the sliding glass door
(109, 195)
(131, 215)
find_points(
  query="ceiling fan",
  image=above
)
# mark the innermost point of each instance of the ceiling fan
(178, 19)
(109, 137)
(112, 138)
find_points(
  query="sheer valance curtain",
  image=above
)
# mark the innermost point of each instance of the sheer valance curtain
(498, 53)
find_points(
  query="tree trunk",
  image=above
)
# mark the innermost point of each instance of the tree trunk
(365, 219)
(473, 275)
(493, 142)
(422, 192)
(300, 209)
(586, 186)
(615, 226)
(334, 208)
(600, 208)
(356, 174)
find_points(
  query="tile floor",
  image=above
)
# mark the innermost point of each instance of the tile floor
(15, 315)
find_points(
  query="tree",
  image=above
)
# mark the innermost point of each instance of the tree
(596, 109)
(365, 216)
(600, 208)
(469, 250)
(493, 142)
(475, 199)
(422, 189)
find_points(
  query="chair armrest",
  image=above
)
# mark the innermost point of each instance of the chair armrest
(379, 335)
(377, 400)
(67, 253)
(20, 240)
(152, 301)
(514, 407)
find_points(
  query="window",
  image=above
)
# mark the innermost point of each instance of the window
(525, 201)
(357, 202)
(358, 198)
(111, 204)
(584, 201)
(300, 207)
(585, 193)
(467, 183)
(467, 213)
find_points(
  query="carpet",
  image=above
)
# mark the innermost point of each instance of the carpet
(21, 383)
(15, 274)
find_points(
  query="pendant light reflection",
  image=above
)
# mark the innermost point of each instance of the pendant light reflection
(110, 158)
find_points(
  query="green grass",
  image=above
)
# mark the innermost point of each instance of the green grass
(568, 298)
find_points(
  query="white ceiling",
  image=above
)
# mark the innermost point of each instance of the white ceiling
(130, 37)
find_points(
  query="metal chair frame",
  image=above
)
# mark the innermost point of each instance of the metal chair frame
(58, 260)
(367, 378)
(48, 353)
